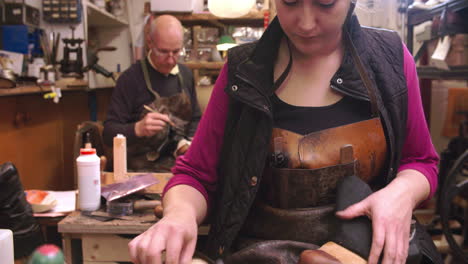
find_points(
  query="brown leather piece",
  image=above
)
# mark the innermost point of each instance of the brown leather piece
(322, 149)
(271, 251)
(312, 225)
(302, 188)
(317, 256)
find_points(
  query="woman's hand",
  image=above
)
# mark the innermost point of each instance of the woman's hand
(390, 210)
(175, 234)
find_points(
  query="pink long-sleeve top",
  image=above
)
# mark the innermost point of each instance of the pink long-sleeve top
(198, 167)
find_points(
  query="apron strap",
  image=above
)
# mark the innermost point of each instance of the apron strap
(144, 66)
(181, 82)
(286, 71)
(363, 74)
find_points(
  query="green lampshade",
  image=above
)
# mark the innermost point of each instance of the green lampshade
(225, 42)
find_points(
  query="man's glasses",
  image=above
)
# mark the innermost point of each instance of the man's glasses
(166, 53)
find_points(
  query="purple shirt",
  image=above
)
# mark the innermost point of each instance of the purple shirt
(198, 167)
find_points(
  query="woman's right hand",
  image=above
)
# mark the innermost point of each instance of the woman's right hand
(175, 234)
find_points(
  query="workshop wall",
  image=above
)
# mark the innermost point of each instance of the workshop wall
(37, 135)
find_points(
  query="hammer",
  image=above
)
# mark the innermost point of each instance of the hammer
(128, 207)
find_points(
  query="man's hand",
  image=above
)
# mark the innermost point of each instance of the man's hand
(151, 124)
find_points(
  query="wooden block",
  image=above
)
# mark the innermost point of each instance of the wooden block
(101, 247)
(120, 158)
(342, 254)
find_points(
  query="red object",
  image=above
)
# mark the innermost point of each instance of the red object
(87, 151)
(35, 196)
(266, 18)
(48, 250)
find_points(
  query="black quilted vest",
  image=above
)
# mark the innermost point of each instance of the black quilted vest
(249, 122)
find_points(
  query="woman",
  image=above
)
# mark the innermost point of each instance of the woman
(315, 78)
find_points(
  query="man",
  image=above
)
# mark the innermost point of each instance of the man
(154, 104)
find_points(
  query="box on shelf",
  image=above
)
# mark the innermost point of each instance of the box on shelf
(20, 14)
(192, 6)
(457, 54)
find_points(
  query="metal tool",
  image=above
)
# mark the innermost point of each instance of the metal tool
(72, 63)
(103, 216)
(127, 207)
(121, 189)
(93, 62)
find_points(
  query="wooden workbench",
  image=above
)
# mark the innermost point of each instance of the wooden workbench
(103, 242)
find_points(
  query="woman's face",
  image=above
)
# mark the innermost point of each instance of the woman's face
(313, 26)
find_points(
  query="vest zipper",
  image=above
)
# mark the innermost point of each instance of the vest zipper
(266, 108)
(363, 98)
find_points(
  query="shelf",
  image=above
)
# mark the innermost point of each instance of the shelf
(254, 19)
(416, 17)
(210, 65)
(24, 89)
(455, 73)
(100, 17)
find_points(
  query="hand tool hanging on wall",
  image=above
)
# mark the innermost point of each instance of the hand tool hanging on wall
(93, 62)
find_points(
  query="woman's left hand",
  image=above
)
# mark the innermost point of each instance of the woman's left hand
(390, 210)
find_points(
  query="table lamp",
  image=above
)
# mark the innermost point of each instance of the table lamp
(225, 42)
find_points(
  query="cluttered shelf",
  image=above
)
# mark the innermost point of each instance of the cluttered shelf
(418, 16)
(100, 17)
(253, 18)
(454, 73)
(211, 65)
(31, 88)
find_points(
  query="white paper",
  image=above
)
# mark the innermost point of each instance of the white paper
(16, 61)
(66, 201)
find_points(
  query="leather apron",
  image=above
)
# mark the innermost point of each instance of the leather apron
(296, 199)
(155, 153)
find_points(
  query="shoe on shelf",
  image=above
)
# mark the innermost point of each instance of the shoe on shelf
(419, 4)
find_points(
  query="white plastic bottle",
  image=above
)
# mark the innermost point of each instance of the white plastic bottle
(89, 180)
(6, 246)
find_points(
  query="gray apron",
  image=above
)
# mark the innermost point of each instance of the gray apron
(155, 153)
